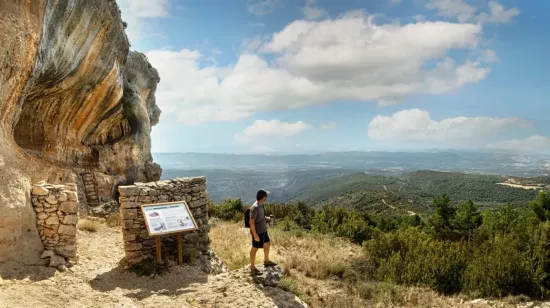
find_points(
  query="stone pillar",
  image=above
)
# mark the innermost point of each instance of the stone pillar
(137, 244)
(56, 208)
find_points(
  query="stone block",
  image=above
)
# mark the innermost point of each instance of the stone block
(127, 223)
(49, 232)
(40, 191)
(52, 220)
(132, 246)
(70, 220)
(67, 230)
(145, 199)
(71, 186)
(55, 261)
(128, 237)
(42, 216)
(51, 199)
(47, 254)
(66, 251)
(130, 205)
(72, 195)
(63, 197)
(129, 214)
(69, 207)
(128, 191)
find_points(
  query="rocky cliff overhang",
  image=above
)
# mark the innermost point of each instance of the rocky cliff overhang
(73, 99)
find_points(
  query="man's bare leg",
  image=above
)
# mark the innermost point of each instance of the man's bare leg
(253, 258)
(266, 252)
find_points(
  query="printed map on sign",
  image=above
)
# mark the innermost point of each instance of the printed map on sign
(165, 218)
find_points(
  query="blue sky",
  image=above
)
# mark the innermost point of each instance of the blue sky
(305, 76)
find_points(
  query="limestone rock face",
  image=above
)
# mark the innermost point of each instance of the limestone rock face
(73, 98)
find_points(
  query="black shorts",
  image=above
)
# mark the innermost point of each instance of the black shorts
(263, 237)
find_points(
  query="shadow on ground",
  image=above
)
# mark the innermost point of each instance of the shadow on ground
(173, 283)
(18, 271)
(282, 298)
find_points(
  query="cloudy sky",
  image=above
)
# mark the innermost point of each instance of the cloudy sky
(305, 76)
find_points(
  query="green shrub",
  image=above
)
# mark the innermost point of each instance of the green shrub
(499, 268)
(229, 209)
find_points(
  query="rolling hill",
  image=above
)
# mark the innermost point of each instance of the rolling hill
(412, 191)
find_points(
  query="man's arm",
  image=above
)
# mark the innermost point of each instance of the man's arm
(253, 214)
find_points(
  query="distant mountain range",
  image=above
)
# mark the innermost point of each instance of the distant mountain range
(373, 162)
(358, 178)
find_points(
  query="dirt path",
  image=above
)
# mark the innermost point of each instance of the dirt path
(97, 281)
(391, 206)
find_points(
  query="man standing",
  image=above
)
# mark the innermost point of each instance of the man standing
(258, 229)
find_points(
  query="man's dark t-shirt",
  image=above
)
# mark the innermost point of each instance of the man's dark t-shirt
(257, 213)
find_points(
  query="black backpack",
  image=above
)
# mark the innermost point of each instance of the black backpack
(247, 218)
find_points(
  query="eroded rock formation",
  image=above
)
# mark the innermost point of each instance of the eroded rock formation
(73, 99)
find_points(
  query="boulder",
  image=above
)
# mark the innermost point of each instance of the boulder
(47, 254)
(56, 260)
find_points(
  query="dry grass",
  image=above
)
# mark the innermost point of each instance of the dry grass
(89, 225)
(311, 263)
(320, 270)
(114, 220)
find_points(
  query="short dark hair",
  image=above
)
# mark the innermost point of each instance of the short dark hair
(260, 195)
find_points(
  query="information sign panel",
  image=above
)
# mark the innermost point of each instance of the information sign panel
(168, 218)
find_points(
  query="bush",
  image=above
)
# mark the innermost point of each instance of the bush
(411, 257)
(499, 268)
(89, 225)
(232, 210)
(114, 220)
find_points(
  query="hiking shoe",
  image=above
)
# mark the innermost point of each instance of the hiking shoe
(270, 263)
(255, 272)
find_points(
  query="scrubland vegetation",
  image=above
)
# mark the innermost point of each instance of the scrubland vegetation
(456, 250)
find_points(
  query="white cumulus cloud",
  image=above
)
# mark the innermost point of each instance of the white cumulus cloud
(416, 125)
(347, 58)
(136, 14)
(270, 130)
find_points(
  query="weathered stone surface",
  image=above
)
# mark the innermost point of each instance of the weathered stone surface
(66, 251)
(69, 207)
(56, 260)
(39, 191)
(129, 214)
(51, 199)
(67, 229)
(129, 205)
(47, 254)
(72, 196)
(128, 191)
(63, 197)
(72, 94)
(70, 220)
(53, 220)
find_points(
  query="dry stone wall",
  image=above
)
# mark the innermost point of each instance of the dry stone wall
(56, 208)
(137, 243)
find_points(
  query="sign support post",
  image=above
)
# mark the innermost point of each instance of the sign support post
(180, 249)
(157, 249)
